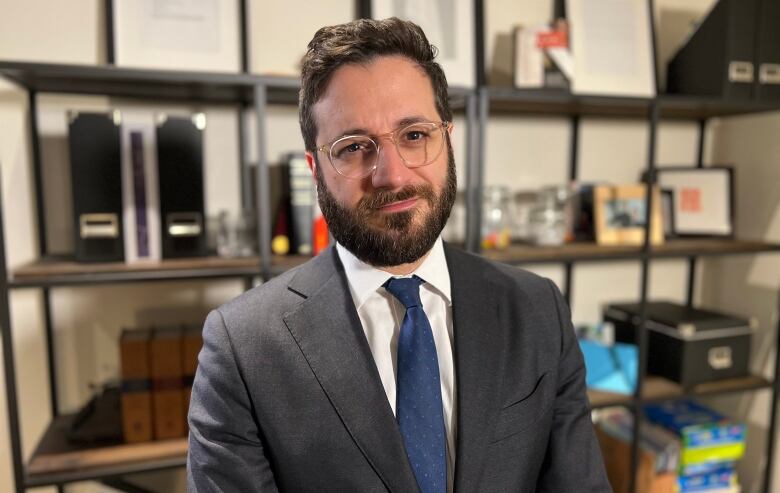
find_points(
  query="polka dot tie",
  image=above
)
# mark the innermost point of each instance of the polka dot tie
(418, 390)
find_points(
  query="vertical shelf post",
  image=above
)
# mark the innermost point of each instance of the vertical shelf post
(574, 173)
(771, 437)
(476, 114)
(644, 288)
(9, 364)
(263, 191)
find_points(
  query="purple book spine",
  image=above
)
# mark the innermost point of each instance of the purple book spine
(139, 192)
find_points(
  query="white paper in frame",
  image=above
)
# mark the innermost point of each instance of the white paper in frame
(702, 200)
(612, 47)
(194, 35)
(448, 24)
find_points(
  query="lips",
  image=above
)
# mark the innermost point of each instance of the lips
(400, 205)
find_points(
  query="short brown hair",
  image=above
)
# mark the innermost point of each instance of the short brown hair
(360, 42)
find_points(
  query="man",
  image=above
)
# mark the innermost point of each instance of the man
(391, 362)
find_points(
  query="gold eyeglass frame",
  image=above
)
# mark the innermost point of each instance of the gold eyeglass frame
(393, 134)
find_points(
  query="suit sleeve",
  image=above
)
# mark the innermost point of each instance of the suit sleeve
(225, 449)
(573, 461)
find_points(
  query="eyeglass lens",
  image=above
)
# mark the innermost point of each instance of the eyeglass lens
(418, 145)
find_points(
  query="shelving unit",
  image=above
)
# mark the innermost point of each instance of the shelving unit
(557, 103)
(54, 462)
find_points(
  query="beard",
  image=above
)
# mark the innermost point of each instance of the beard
(390, 239)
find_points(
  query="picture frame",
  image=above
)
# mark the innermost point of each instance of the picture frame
(704, 203)
(449, 26)
(619, 215)
(187, 35)
(612, 48)
(667, 212)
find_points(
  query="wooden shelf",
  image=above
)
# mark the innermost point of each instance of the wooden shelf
(63, 272)
(212, 87)
(57, 461)
(131, 83)
(556, 102)
(659, 389)
(572, 252)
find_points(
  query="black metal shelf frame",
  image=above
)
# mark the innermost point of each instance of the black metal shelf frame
(557, 103)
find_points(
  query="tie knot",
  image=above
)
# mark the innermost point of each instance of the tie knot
(406, 290)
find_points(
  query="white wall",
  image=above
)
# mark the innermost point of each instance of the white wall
(524, 152)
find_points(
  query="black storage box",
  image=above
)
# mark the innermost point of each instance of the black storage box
(686, 345)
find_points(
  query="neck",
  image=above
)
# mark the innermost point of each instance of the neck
(405, 269)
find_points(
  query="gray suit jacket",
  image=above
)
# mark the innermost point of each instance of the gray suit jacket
(287, 396)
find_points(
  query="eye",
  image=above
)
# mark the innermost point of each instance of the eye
(350, 148)
(415, 134)
(353, 147)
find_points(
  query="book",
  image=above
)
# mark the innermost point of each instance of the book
(135, 395)
(140, 196)
(167, 389)
(302, 201)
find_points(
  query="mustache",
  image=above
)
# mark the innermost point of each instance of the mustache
(381, 198)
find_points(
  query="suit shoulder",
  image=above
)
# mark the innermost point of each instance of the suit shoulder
(507, 275)
(262, 302)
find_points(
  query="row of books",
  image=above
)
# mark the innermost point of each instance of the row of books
(684, 447)
(299, 226)
(157, 369)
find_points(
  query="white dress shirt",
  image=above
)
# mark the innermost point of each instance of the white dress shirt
(381, 315)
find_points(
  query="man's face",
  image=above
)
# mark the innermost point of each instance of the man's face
(394, 215)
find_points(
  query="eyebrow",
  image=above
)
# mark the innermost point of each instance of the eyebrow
(400, 123)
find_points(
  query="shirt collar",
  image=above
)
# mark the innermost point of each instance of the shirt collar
(365, 279)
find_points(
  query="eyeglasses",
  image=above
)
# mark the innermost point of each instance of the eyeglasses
(356, 156)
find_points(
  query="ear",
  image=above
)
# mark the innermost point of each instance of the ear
(450, 127)
(312, 164)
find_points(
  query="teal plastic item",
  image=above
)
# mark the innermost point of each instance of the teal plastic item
(610, 368)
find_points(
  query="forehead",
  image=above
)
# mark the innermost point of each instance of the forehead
(374, 96)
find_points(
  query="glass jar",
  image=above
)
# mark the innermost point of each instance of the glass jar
(496, 225)
(548, 216)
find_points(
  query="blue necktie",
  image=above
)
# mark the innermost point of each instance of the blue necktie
(418, 390)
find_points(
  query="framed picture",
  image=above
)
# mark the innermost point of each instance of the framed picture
(449, 26)
(703, 199)
(620, 217)
(612, 47)
(194, 35)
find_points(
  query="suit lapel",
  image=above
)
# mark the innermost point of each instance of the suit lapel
(327, 329)
(478, 359)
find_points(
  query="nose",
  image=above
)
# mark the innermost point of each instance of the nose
(390, 172)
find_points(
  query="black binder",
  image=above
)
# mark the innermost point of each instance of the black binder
(96, 180)
(767, 87)
(180, 170)
(719, 58)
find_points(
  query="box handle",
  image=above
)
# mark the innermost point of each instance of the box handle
(184, 224)
(769, 73)
(719, 357)
(99, 225)
(740, 71)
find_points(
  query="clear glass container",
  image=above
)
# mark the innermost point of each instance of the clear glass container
(496, 224)
(236, 234)
(549, 216)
